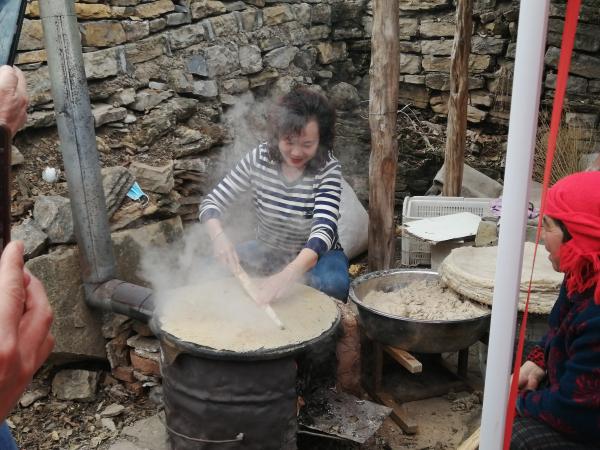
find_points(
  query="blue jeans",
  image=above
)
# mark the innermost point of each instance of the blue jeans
(6, 440)
(330, 274)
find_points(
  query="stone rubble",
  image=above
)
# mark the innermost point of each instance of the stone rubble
(53, 215)
(112, 410)
(30, 397)
(34, 238)
(79, 385)
(116, 182)
(153, 178)
(16, 157)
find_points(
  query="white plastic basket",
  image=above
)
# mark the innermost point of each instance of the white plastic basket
(418, 253)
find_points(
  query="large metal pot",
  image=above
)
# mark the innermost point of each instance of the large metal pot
(262, 354)
(235, 400)
(419, 336)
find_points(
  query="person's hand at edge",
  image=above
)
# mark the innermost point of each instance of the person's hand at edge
(25, 319)
(530, 376)
(13, 98)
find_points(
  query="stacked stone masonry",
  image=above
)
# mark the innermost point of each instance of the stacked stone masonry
(162, 73)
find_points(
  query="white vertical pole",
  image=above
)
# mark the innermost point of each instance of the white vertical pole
(529, 65)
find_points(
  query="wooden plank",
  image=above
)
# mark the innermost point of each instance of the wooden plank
(383, 107)
(405, 359)
(457, 100)
(399, 414)
(472, 443)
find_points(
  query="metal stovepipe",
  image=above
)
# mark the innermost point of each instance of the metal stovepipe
(75, 124)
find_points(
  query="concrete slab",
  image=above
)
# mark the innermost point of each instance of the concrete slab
(474, 184)
(124, 445)
(148, 433)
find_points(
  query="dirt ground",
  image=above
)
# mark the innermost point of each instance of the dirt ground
(441, 427)
(50, 423)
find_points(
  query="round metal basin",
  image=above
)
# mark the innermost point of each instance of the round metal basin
(419, 336)
(178, 345)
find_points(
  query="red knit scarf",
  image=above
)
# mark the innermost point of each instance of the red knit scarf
(575, 201)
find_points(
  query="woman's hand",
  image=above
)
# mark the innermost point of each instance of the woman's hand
(25, 319)
(224, 251)
(275, 286)
(530, 376)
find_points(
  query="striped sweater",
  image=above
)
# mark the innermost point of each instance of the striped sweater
(290, 215)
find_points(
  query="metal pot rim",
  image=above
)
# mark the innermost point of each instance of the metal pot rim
(390, 272)
(262, 354)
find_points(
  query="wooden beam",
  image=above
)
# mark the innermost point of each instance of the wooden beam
(405, 359)
(383, 105)
(457, 101)
(399, 414)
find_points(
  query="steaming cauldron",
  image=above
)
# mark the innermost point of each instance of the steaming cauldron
(219, 399)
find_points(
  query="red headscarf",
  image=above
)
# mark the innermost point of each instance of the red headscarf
(575, 201)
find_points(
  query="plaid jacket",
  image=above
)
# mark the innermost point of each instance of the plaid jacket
(570, 353)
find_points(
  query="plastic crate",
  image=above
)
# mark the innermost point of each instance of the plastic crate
(418, 253)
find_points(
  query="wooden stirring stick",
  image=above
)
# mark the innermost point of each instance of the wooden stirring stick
(250, 289)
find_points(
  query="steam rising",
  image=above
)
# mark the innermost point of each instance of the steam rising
(247, 122)
(190, 262)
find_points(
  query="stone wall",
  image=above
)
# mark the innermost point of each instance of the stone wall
(428, 28)
(162, 74)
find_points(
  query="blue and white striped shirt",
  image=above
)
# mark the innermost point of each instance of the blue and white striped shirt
(290, 216)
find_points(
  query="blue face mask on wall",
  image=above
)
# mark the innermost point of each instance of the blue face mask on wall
(135, 193)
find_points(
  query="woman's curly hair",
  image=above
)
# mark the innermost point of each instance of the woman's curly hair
(291, 114)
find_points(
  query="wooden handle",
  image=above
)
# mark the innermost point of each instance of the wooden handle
(247, 284)
(405, 359)
(250, 289)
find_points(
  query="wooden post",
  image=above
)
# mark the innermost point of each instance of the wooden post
(457, 102)
(383, 106)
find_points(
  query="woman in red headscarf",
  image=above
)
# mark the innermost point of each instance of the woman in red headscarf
(559, 403)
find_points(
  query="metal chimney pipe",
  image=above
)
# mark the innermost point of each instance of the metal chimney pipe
(77, 139)
(75, 124)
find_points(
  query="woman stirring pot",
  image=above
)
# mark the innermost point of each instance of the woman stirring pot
(296, 185)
